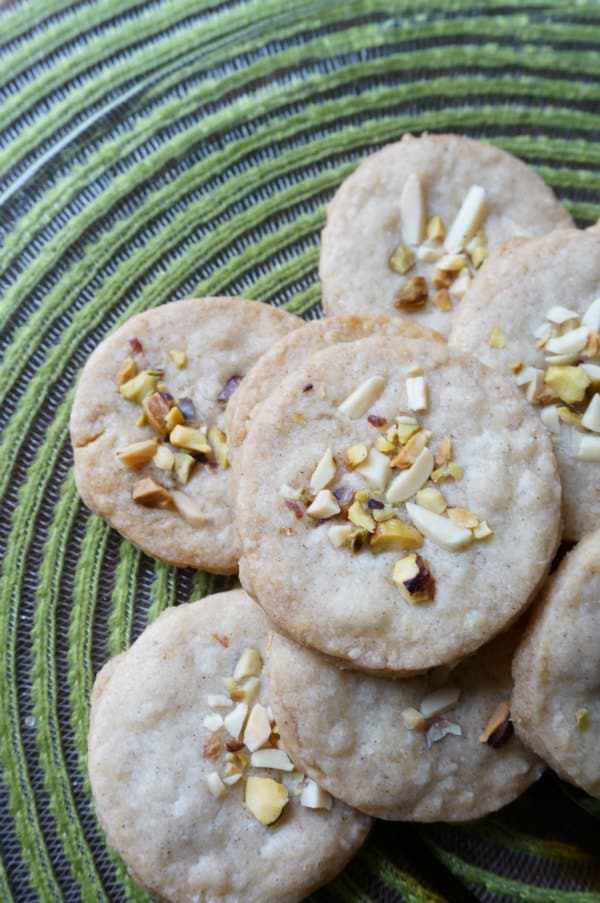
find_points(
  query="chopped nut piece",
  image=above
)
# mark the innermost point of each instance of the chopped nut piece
(438, 529)
(190, 440)
(188, 509)
(429, 253)
(482, 531)
(249, 691)
(463, 517)
(137, 454)
(442, 300)
(228, 389)
(416, 393)
(288, 492)
(249, 664)
(232, 779)
(234, 722)
(591, 418)
(413, 578)
(478, 255)
(136, 346)
(376, 420)
(432, 499)
(299, 418)
(359, 401)
(394, 535)
(407, 456)
(187, 409)
(588, 448)
(375, 470)
(582, 719)
(150, 494)
(339, 535)
(314, 797)
(323, 473)
(344, 496)
(501, 734)
(413, 719)
(156, 407)
(402, 260)
(496, 339)
(572, 341)
(384, 446)
(412, 210)
(164, 458)
(213, 722)
(211, 748)
(216, 785)
(592, 348)
(408, 482)
(453, 263)
(361, 518)
(218, 701)
(435, 229)
(404, 429)
(443, 278)
(550, 419)
(497, 719)
(569, 383)
(324, 506)
(455, 471)
(271, 758)
(440, 729)
(218, 441)
(516, 367)
(258, 728)
(468, 220)
(444, 453)
(265, 799)
(413, 293)
(183, 466)
(127, 371)
(355, 455)
(439, 701)
(566, 415)
(179, 358)
(174, 418)
(137, 388)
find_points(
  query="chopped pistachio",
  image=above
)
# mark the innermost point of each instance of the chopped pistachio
(582, 719)
(402, 260)
(463, 517)
(339, 535)
(299, 418)
(455, 470)
(141, 421)
(139, 387)
(435, 229)
(442, 278)
(164, 458)
(190, 439)
(137, 454)
(156, 407)
(478, 255)
(174, 418)
(407, 456)
(442, 300)
(496, 339)
(183, 466)
(265, 799)
(413, 578)
(516, 367)
(127, 371)
(395, 535)
(360, 518)
(355, 455)
(375, 470)
(568, 416)
(404, 429)
(432, 499)
(178, 357)
(218, 441)
(382, 514)
(384, 445)
(150, 494)
(444, 453)
(413, 293)
(569, 383)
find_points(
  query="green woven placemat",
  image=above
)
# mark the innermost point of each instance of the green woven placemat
(154, 150)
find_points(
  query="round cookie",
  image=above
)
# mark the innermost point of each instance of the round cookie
(345, 596)
(154, 753)
(378, 221)
(556, 670)
(497, 322)
(364, 739)
(194, 350)
(291, 351)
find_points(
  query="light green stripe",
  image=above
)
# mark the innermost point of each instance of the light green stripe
(344, 888)
(17, 22)
(5, 892)
(495, 832)
(202, 585)
(120, 621)
(399, 881)
(45, 694)
(163, 589)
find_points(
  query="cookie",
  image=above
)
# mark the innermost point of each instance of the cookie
(556, 670)
(147, 425)
(408, 229)
(368, 742)
(341, 545)
(291, 351)
(193, 810)
(527, 303)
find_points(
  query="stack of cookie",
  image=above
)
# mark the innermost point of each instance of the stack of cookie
(397, 504)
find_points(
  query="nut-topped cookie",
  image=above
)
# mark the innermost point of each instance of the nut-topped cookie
(556, 670)
(433, 748)
(407, 231)
(189, 777)
(148, 424)
(402, 511)
(534, 313)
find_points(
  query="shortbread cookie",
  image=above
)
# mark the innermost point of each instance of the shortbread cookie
(339, 548)
(534, 312)
(292, 350)
(556, 670)
(408, 229)
(432, 748)
(148, 423)
(181, 736)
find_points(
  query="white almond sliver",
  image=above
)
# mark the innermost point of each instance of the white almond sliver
(376, 469)
(440, 530)
(232, 779)
(339, 534)
(216, 785)
(550, 419)
(213, 722)
(234, 722)
(591, 418)
(429, 253)
(412, 209)
(560, 359)
(325, 505)
(528, 375)
(416, 393)
(271, 758)
(359, 401)
(452, 262)
(593, 371)
(572, 341)
(560, 315)
(258, 728)
(591, 317)
(588, 448)
(288, 492)
(314, 797)
(218, 701)
(468, 219)
(188, 509)
(323, 473)
(408, 483)
(535, 386)
(439, 701)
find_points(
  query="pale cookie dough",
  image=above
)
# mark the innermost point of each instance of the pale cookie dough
(502, 320)
(492, 457)
(293, 350)
(556, 700)
(170, 795)
(384, 208)
(366, 741)
(194, 350)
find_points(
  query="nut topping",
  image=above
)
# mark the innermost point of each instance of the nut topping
(150, 494)
(137, 454)
(363, 397)
(413, 578)
(413, 293)
(497, 719)
(156, 407)
(265, 799)
(412, 209)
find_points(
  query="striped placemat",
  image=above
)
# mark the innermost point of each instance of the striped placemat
(154, 150)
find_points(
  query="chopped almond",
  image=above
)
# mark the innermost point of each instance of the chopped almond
(442, 300)
(444, 452)
(127, 371)
(411, 451)
(150, 494)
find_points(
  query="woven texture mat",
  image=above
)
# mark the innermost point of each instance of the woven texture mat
(154, 150)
